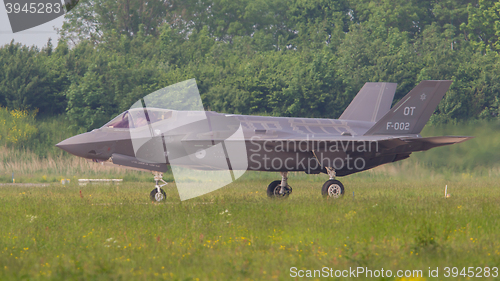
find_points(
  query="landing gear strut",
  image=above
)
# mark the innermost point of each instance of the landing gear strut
(279, 188)
(158, 194)
(332, 187)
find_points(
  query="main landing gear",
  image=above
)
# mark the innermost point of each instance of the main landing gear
(279, 188)
(158, 194)
(332, 188)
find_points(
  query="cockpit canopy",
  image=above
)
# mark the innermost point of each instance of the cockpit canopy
(138, 117)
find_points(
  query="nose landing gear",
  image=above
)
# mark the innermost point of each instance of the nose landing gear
(158, 194)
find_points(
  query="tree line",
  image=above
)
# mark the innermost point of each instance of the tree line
(303, 58)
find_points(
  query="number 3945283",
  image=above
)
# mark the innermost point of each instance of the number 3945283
(33, 8)
(471, 272)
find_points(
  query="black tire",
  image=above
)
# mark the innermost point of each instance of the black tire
(274, 188)
(161, 197)
(332, 189)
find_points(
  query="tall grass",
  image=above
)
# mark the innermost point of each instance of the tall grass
(29, 167)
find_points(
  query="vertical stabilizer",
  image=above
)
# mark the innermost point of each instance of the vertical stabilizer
(412, 112)
(371, 103)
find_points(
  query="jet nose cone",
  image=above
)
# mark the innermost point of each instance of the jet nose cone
(61, 144)
(91, 145)
(74, 145)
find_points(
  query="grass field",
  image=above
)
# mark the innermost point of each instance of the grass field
(111, 232)
(397, 218)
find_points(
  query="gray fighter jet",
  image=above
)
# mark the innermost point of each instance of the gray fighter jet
(207, 150)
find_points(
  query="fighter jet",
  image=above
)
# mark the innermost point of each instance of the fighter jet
(207, 150)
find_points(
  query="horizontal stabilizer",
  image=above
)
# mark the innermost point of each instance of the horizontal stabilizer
(431, 142)
(371, 103)
(412, 112)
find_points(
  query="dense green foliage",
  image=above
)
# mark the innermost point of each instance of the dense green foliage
(280, 57)
(16, 126)
(20, 130)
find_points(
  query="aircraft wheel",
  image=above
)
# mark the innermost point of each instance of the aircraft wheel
(273, 190)
(332, 189)
(156, 196)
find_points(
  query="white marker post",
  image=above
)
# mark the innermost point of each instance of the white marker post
(446, 191)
